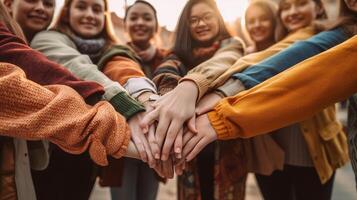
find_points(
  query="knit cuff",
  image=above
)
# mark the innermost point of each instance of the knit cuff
(219, 126)
(126, 105)
(201, 82)
(231, 87)
(124, 147)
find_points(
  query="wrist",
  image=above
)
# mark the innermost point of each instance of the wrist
(190, 86)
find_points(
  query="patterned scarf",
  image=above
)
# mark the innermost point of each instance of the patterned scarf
(146, 55)
(91, 47)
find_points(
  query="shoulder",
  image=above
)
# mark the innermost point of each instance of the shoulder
(234, 43)
(52, 36)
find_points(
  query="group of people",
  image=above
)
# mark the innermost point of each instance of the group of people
(75, 100)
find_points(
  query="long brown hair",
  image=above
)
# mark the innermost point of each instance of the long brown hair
(321, 17)
(347, 19)
(10, 23)
(184, 43)
(62, 23)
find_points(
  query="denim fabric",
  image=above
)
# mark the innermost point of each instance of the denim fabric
(287, 58)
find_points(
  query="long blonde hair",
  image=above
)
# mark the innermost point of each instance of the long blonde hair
(10, 23)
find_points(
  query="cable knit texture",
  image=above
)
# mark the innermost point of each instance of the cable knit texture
(59, 114)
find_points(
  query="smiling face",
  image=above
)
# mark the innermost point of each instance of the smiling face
(204, 25)
(86, 17)
(32, 15)
(259, 24)
(141, 23)
(296, 14)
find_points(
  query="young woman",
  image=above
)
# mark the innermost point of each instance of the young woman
(201, 35)
(141, 25)
(261, 23)
(200, 80)
(135, 180)
(320, 131)
(37, 114)
(32, 16)
(83, 41)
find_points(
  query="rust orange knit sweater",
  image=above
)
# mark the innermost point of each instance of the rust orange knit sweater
(58, 114)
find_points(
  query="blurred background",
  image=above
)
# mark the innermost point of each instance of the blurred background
(232, 12)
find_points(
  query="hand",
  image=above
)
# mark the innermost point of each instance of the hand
(140, 140)
(207, 103)
(132, 152)
(165, 168)
(194, 144)
(171, 111)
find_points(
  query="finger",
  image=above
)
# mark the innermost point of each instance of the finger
(187, 137)
(190, 145)
(151, 160)
(178, 169)
(153, 143)
(191, 124)
(149, 119)
(161, 130)
(178, 144)
(158, 170)
(172, 132)
(197, 149)
(140, 147)
(168, 168)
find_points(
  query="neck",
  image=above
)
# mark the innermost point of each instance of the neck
(142, 45)
(264, 45)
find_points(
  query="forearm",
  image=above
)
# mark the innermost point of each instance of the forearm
(38, 68)
(58, 48)
(254, 58)
(289, 57)
(205, 73)
(59, 115)
(291, 96)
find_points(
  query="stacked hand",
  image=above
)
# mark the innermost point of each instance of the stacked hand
(170, 134)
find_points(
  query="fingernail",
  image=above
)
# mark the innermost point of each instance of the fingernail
(177, 150)
(157, 156)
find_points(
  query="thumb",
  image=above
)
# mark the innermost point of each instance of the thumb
(191, 125)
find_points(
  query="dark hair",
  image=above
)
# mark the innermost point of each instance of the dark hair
(10, 23)
(347, 19)
(146, 3)
(282, 31)
(184, 43)
(62, 23)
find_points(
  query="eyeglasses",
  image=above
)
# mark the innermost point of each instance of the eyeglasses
(206, 18)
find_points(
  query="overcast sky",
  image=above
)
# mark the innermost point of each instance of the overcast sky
(169, 10)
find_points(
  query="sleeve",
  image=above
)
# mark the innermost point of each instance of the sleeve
(287, 58)
(38, 68)
(57, 47)
(204, 74)
(128, 73)
(291, 96)
(254, 58)
(168, 74)
(58, 114)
